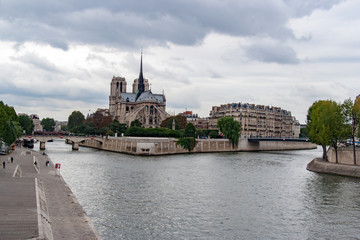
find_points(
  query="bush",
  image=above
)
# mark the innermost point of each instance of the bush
(188, 143)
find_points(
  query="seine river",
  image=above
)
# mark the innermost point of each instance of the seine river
(261, 195)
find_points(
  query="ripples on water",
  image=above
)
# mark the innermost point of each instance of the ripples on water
(264, 195)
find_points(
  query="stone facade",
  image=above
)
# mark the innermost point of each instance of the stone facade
(141, 104)
(257, 120)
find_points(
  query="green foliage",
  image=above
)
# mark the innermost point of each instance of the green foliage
(85, 129)
(303, 133)
(180, 122)
(18, 128)
(351, 113)
(9, 134)
(64, 128)
(135, 123)
(109, 133)
(48, 124)
(189, 130)
(75, 119)
(152, 132)
(230, 128)
(3, 118)
(10, 128)
(26, 123)
(117, 127)
(325, 124)
(188, 143)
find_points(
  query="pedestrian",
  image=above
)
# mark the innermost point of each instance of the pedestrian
(47, 163)
(35, 163)
(12, 159)
(3, 164)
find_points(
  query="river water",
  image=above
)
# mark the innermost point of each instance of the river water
(260, 195)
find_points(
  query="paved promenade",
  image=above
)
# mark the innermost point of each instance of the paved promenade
(36, 203)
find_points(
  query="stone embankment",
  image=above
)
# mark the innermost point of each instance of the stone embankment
(344, 167)
(166, 146)
(36, 203)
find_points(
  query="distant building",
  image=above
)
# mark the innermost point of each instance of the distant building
(141, 104)
(198, 122)
(37, 123)
(59, 124)
(257, 120)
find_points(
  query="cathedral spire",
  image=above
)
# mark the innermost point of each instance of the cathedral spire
(141, 86)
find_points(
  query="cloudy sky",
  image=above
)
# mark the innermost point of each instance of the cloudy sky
(60, 56)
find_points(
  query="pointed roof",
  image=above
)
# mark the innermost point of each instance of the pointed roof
(141, 86)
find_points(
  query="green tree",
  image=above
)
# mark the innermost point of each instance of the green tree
(303, 133)
(26, 124)
(9, 125)
(75, 119)
(136, 123)
(188, 143)
(9, 134)
(180, 122)
(325, 124)
(351, 112)
(117, 127)
(64, 128)
(189, 130)
(230, 128)
(3, 119)
(48, 124)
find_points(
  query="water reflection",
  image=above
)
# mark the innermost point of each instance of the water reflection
(209, 196)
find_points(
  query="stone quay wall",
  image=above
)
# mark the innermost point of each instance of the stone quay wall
(166, 146)
(345, 155)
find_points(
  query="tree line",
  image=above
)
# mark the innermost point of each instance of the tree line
(329, 123)
(13, 126)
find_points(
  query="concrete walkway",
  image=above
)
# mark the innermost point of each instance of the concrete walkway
(36, 203)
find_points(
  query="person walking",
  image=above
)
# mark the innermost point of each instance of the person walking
(12, 159)
(4, 164)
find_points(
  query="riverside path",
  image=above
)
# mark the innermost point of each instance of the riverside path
(36, 203)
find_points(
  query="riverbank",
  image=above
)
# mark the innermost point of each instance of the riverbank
(320, 166)
(344, 165)
(36, 203)
(166, 146)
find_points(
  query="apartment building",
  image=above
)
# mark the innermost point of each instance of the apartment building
(257, 120)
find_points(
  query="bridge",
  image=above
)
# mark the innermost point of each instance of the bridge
(74, 140)
(258, 139)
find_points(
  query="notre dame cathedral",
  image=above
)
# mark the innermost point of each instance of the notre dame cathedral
(141, 104)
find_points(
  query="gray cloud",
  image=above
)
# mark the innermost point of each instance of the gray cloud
(37, 61)
(153, 22)
(272, 52)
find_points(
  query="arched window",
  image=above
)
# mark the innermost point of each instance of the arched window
(121, 85)
(127, 109)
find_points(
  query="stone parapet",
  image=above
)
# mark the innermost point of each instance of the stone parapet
(320, 166)
(345, 155)
(166, 146)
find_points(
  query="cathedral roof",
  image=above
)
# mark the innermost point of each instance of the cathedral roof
(145, 96)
